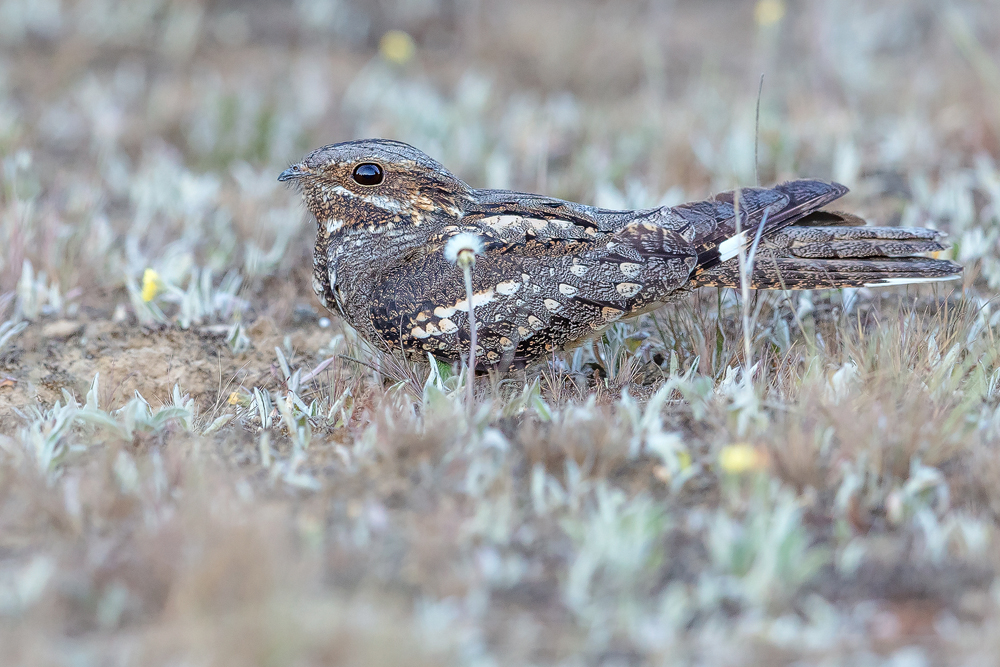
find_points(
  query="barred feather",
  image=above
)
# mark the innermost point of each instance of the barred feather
(807, 257)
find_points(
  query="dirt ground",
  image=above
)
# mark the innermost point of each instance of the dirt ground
(51, 357)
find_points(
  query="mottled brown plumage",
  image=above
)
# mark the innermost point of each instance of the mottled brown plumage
(554, 273)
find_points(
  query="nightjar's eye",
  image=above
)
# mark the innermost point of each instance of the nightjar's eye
(368, 173)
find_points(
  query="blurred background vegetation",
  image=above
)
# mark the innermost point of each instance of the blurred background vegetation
(155, 127)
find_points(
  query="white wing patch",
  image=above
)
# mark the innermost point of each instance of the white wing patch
(630, 269)
(628, 289)
(508, 287)
(478, 299)
(732, 246)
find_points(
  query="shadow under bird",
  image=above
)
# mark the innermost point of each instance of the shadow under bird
(552, 274)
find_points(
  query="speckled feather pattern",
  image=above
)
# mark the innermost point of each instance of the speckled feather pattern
(554, 273)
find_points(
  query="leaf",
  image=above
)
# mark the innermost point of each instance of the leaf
(217, 424)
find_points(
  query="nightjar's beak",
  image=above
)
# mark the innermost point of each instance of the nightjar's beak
(293, 172)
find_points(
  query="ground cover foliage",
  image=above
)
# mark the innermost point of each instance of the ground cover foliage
(200, 467)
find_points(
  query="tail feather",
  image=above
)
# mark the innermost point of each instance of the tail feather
(807, 274)
(803, 247)
(806, 257)
(854, 242)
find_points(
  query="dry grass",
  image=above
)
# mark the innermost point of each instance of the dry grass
(198, 468)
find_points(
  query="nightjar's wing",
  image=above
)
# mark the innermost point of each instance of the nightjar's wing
(763, 212)
(506, 211)
(550, 274)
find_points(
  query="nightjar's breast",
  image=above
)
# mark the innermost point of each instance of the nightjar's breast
(349, 263)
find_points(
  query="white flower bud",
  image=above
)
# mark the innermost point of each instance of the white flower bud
(466, 242)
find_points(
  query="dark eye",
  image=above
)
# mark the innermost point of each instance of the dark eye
(368, 173)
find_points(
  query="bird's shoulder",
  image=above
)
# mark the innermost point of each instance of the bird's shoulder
(515, 225)
(512, 214)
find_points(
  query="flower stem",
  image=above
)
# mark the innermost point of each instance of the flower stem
(471, 381)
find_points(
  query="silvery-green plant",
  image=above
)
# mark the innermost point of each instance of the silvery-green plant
(9, 330)
(742, 400)
(46, 434)
(967, 536)
(201, 302)
(137, 416)
(767, 554)
(530, 398)
(36, 295)
(295, 416)
(619, 549)
(22, 587)
(237, 338)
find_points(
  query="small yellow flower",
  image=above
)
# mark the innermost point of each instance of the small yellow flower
(684, 460)
(740, 458)
(234, 398)
(150, 284)
(768, 12)
(397, 47)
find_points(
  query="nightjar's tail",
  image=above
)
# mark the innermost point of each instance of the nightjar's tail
(814, 249)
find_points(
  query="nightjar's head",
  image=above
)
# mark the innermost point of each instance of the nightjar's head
(373, 183)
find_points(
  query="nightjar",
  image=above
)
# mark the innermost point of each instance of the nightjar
(553, 273)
